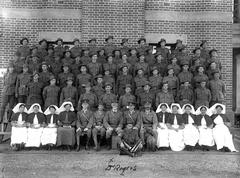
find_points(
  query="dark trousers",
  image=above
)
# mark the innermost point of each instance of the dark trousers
(7, 99)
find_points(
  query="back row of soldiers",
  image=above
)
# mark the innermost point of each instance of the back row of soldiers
(50, 75)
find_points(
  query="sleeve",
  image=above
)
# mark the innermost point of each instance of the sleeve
(138, 124)
(79, 103)
(155, 121)
(78, 122)
(44, 93)
(74, 118)
(17, 85)
(61, 97)
(105, 121)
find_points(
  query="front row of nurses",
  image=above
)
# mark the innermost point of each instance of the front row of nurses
(184, 128)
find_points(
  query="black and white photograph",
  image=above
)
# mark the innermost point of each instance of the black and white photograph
(119, 88)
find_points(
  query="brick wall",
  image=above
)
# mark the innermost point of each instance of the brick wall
(122, 18)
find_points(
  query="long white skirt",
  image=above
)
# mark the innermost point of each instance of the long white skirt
(223, 137)
(18, 135)
(205, 136)
(190, 135)
(34, 137)
(49, 136)
(176, 140)
(162, 137)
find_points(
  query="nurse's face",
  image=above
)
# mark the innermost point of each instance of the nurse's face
(35, 109)
(21, 108)
(219, 110)
(52, 110)
(203, 111)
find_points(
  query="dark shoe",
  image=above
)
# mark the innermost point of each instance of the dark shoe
(78, 148)
(68, 148)
(87, 147)
(227, 149)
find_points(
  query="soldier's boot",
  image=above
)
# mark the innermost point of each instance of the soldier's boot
(124, 151)
(87, 144)
(95, 143)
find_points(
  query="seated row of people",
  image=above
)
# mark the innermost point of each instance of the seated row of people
(177, 128)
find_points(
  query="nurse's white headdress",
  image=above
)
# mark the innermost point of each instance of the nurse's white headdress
(16, 108)
(62, 108)
(198, 111)
(191, 106)
(47, 112)
(159, 109)
(179, 108)
(213, 108)
(31, 110)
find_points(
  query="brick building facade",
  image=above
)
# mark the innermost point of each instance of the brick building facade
(189, 20)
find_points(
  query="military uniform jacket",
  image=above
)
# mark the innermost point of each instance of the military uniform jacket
(62, 77)
(125, 99)
(67, 118)
(142, 65)
(139, 81)
(133, 118)
(173, 82)
(150, 59)
(93, 48)
(49, 59)
(185, 95)
(84, 119)
(146, 97)
(176, 68)
(203, 94)
(109, 48)
(208, 120)
(132, 60)
(125, 50)
(94, 68)
(165, 52)
(85, 60)
(35, 89)
(18, 64)
(33, 67)
(83, 79)
(217, 88)
(149, 120)
(76, 51)
(155, 81)
(16, 115)
(69, 93)
(48, 118)
(113, 119)
(41, 118)
(162, 67)
(24, 51)
(111, 67)
(184, 57)
(42, 53)
(91, 97)
(98, 90)
(160, 117)
(98, 118)
(51, 95)
(9, 82)
(121, 64)
(171, 118)
(122, 80)
(107, 100)
(59, 50)
(164, 97)
(198, 78)
(185, 76)
(68, 60)
(130, 136)
(45, 77)
(56, 68)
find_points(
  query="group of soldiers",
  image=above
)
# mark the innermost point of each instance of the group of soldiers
(49, 74)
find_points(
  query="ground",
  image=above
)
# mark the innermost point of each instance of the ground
(73, 164)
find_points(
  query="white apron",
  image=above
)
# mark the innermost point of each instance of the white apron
(18, 134)
(176, 140)
(34, 135)
(190, 133)
(205, 134)
(163, 134)
(222, 135)
(49, 135)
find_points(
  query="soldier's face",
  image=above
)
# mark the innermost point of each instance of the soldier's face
(179, 44)
(77, 59)
(133, 52)
(35, 77)
(99, 80)
(131, 106)
(142, 42)
(44, 67)
(198, 52)
(86, 53)
(108, 88)
(213, 65)
(159, 58)
(165, 86)
(129, 126)
(201, 69)
(117, 53)
(186, 84)
(146, 87)
(140, 72)
(25, 42)
(10, 69)
(93, 42)
(85, 106)
(69, 82)
(88, 88)
(125, 43)
(128, 90)
(185, 67)
(65, 68)
(83, 69)
(53, 81)
(174, 60)
(107, 72)
(214, 54)
(25, 69)
(217, 75)
(68, 54)
(35, 59)
(124, 69)
(100, 107)
(76, 43)
(94, 58)
(110, 59)
(203, 84)
(59, 43)
(142, 57)
(124, 57)
(163, 43)
(171, 71)
(155, 72)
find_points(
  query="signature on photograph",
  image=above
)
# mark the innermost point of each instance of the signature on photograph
(113, 166)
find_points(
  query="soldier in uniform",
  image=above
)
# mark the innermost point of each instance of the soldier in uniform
(98, 126)
(24, 49)
(108, 98)
(94, 67)
(76, 50)
(62, 77)
(123, 63)
(8, 93)
(163, 50)
(142, 64)
(174, 65)
(109, 47)
(49, 59)
(18, 62)
(185, 94)
(85, 59)
(211, 70)
(139, 81)
(123, 79)
(204, 50)
(202, 95)
(126, 98)
(164, 96)
(150, 57)
(113, 122)
(185, 75)
(56, 66)
(59, 49)
(214, 57)
(98, 88)
(34, 64)
(146, 96)
(35, 91)
(125, 49)
(199, 76)
(148, 132)
(90, 96)
(217, 88)
(101, 56)
(133, 58)
(142, 45)
(173, 82)
(83, 78)
(197, 57)
(178, 46)
(42, 50)
(161, 64)
(84, 124)
(117, 56)
(68, 57)
(109, 65)
(93, 45)
(132, 116)
(183, 56)
(108, 78)
(155, 80)
(51, 93)
(21, 85)
(75, 67)
(69, 93)
(45, 74)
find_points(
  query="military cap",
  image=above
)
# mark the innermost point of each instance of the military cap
(44, 63)
(24, 65)
(124, 40)
(67, 50)
(140, 68)
(108, 84)
(154, 68)
(200, 65)
(33, 47)
(65, 64)
(42, 40)
(141, 53)
(85, 49)
(92, 39)
(114, 103)
(215, 71)
(147, 83)
(69, 78)
(109, 37)
(99, 76)
(93, 54)
(109, 55)
(162, 40)
(183, 82)
(83, 65)
(52, 77)
(76, 39)
(178, 41)
(50, 47)
(124, 53)
(24, 38)
(198, 48)
(131, 102)
(202, 43)
(85, 101)
(132, 49)
(158, 53)
(59, 39)
(128, 86)
(170, 66)
(147, 105)
(141, 39)
(123, 66)
(212, 50)
(185, 62)
(35, 73)
(202, 80)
